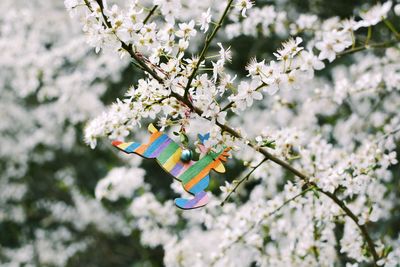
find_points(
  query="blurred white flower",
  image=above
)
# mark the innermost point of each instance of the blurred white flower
(375, 14)
(119, 182)
(205, 20)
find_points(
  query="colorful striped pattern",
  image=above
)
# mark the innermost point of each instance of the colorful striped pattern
(194, 175)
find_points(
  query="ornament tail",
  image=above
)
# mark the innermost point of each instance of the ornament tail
(200, 199)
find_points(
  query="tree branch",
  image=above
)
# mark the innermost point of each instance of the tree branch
(362, 228)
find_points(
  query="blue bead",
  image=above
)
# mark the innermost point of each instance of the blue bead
(186, 155)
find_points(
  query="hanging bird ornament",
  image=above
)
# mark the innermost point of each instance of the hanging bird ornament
(193, 175)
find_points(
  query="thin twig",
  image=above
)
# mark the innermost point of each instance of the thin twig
(369, 35)
(388, 134)
(238, 183)
(150, 14)
(392, 28)
(230, 104)
(364, 47)
(309, 188)
(205, 48)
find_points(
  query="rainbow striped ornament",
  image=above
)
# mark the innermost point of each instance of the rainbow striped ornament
(194, 175)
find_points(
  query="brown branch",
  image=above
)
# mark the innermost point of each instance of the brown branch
(100, 3)
(362, 228)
